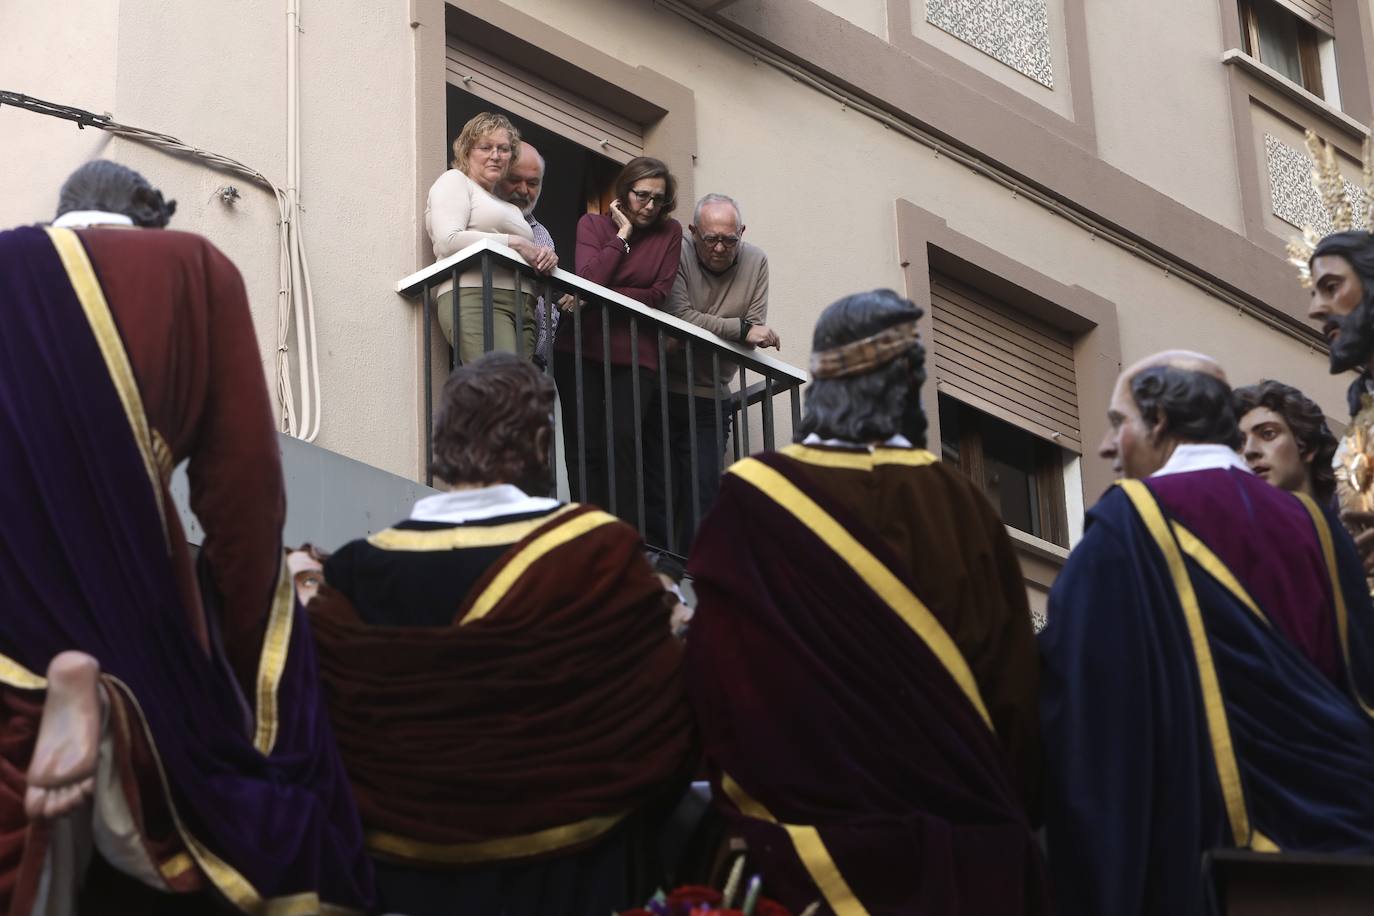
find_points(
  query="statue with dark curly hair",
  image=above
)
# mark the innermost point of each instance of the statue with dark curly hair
(1286, 439)
(102, 192)
(502, 678)
(859, 599)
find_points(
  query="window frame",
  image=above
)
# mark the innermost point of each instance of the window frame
(1050, 503)
(1309, 43)
(925, 241)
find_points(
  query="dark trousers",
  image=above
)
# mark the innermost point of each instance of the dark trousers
(680, 446)
(625, 424)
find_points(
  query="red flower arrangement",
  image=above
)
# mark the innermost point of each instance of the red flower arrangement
(698, 900)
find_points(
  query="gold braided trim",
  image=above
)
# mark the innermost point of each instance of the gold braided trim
(1214, 707)
(810, 849)
(162, 455)
(92, 299)
(272, 660)
(860, 356)
(870, 569)
(563, 532)
(13, 674)
(463, 536)
(227, 880)
(857, 460)
(1338, 596)
(500, 849)
(176, 866)
(1211, 563)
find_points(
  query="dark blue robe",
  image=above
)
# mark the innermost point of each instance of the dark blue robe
(1140, 783)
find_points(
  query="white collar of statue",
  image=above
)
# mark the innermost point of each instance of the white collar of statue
(458, 506)
(1202, 456)
(897, 441)
(82, 219)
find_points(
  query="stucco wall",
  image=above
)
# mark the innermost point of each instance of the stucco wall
(79, 69)
(214, 75)
(869, 15)
(819, 183)
(1161, 101)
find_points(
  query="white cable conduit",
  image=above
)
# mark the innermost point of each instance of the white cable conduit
(295, 294)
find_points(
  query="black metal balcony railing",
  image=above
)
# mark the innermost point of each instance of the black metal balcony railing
(772, 379)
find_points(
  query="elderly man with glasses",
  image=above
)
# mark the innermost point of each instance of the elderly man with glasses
(721, 286)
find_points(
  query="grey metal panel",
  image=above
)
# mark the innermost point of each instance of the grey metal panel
(330, 499)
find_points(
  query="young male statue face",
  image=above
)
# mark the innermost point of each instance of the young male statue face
(1273, 453)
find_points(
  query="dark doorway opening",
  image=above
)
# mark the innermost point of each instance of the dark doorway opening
(576, 179)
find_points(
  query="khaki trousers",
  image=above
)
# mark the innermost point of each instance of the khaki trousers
(503, 307)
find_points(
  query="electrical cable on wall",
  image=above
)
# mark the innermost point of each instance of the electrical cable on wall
(294, 296)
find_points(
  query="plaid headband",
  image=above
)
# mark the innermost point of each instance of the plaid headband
(861, 356)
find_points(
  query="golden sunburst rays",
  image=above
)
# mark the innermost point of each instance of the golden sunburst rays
(1330, 186)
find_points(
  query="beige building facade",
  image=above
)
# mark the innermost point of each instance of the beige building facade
(1064, 185)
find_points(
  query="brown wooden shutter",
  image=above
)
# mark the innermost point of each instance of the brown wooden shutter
(1004, 363)
(530, 96)
(1317, 12)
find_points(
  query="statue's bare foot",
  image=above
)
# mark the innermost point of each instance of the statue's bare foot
(62, 772)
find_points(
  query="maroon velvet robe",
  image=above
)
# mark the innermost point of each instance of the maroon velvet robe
(544, 713)
(190, 338)
(864, 675)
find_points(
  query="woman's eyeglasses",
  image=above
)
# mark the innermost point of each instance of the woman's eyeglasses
(645, 197)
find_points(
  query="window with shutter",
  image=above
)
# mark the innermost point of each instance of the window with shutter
(1004, 363)
(508, 86)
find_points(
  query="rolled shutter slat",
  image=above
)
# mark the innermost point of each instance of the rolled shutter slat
(516, 90)
(1317, 12)
(1004, 363)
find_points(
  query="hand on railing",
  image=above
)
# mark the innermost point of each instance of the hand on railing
(761, 335)
(539, 257)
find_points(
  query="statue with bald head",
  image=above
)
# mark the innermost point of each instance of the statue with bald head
(1193, 654)
(1166, 400)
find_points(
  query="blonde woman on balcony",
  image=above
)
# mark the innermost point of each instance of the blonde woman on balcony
(463, 210)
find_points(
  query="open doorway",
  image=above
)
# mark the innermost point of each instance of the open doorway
(576, 180)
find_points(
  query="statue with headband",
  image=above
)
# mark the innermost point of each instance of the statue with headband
(1338, 268)
(832, 577)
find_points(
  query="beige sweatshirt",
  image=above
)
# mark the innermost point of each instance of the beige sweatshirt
(459, 212)
(715, 302)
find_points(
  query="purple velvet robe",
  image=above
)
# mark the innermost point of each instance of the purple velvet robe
(88, 562)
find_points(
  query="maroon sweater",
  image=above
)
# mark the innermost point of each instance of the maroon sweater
(646, 275)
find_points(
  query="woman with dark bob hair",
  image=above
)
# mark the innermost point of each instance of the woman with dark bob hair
(634, 250)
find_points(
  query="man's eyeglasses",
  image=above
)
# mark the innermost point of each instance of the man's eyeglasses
(486, 149)
(725, 241)
(645, 197)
